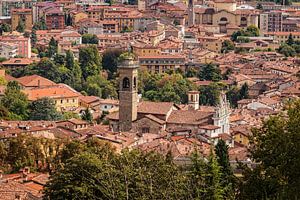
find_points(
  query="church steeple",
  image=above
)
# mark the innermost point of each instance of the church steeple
(128, 74)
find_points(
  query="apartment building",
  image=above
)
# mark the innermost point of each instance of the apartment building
(8, 50)
(23, 43)
(24, 15)
(161, 63)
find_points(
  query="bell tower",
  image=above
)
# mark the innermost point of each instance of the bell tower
(128, 74)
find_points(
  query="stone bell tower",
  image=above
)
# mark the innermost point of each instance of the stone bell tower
(128, 79)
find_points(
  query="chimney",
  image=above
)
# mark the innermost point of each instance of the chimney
(193, 100)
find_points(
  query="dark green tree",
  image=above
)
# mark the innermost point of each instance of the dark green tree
(227, 46)
(277, 156)
(87, 115)
(52, 47)
(90, 39)
(90, 61)
(15, 101)
(210, 72)
(74, 72)
(44, 109)
(21, 26)
(244, 91)
(47, 69)
(287, 50)
(227, 178)
(40, 25)
(5, 27)
(110, 60)
(290, 41)
(209, 95)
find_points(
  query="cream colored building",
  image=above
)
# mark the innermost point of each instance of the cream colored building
(8, 50)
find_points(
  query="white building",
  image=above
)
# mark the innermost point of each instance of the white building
(8, 50)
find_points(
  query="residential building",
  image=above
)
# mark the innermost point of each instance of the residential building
(65, 98)
(281, 37)
(6, 6)
(8, 50)
(271, 21)
(23, 43)
(161, 63)
(71, 36)
(55, 19)
(21, 16)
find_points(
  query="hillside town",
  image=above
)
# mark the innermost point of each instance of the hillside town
(170, 77)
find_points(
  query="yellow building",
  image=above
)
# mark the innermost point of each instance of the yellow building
(65, 98)
(282, 37)
(145, 50)
(24, 15)
(77, 16)
(211, 43)
(241, 137)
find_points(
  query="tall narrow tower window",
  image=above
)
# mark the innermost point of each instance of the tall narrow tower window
(126, 82)
(134, 82)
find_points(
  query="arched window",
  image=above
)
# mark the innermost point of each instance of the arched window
(126, 83)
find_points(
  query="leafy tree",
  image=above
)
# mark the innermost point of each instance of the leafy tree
(87, 115)
(209, 95)
(227, 177)
(98, 86)
(47, 69)
(40, 25)
(44, 109)
(33, 37)
(210, 72)
(52, 47)
(70, 115)
(90, 61)
(277, 154)
(15, 101)
(74, 72)
(290, 41)
(21, 26)
(227, 46)
(5, 28)
(110, 60)
(244, 91)
(251, 31)
(287, 50)
(90, 39)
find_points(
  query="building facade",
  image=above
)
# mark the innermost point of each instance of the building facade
(21, 16)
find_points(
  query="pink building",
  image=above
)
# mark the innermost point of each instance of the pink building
(24, 45)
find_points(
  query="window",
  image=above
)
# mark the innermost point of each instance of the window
(145, 130)
(61, 101)
(126, 82)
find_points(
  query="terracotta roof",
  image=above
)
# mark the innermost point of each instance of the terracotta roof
(18, 61)
(88, 99)
(155, 119)
(59, 91)
(156, 108)
(189, 117)
(35, 81)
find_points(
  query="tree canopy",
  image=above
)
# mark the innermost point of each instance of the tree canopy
(44, 109)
